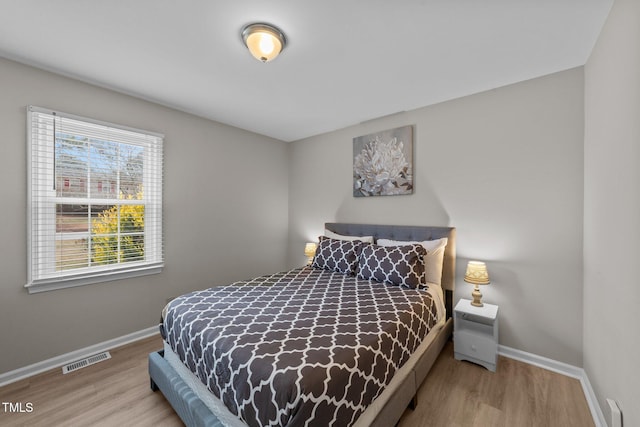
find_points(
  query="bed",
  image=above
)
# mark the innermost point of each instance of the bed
(214, 375)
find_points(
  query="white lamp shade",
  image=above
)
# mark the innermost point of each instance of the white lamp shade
(477, 273)
(310, 249)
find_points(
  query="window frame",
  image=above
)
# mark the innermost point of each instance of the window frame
(41, 208)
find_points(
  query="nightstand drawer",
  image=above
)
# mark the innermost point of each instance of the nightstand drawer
(476, 346)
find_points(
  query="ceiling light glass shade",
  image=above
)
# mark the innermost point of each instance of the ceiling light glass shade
(264, 41)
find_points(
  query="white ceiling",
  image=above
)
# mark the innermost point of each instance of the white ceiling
(347, 61)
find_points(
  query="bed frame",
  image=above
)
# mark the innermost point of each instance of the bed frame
(194, 412)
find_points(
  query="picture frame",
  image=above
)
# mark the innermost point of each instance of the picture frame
(383, 163)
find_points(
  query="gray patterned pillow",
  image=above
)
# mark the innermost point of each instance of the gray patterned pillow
(398, 265)
(337, 255)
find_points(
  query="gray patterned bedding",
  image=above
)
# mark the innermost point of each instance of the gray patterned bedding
(307, 347)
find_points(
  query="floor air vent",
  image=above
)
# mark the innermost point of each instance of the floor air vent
(79, 364)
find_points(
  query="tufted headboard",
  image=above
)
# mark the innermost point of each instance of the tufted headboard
(410, 232)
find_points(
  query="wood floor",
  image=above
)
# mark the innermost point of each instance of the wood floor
(456, 394)
(461, 394)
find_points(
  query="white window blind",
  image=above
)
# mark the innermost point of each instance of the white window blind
(95, 201)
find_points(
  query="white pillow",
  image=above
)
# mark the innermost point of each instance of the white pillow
(432, 261)
(332, 235)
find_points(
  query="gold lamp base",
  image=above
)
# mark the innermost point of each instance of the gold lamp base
(477, 297)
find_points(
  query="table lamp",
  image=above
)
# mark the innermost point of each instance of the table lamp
(310, 251)
(476, 275)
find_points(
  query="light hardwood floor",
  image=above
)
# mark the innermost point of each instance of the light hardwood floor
(456, 394)
(461, 394)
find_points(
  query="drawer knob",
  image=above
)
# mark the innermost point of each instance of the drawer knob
(473, 347)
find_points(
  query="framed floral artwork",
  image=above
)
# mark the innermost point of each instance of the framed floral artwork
(383, 163)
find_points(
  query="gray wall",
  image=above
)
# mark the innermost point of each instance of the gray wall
(506, 168)
(225, 217)
(612, 211)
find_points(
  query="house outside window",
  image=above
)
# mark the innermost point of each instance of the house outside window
(95, 202)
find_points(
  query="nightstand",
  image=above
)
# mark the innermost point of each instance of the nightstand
(475, 333)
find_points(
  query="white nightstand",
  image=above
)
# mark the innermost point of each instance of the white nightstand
(475, 333)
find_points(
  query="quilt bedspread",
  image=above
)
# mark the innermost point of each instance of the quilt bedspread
(307, 347)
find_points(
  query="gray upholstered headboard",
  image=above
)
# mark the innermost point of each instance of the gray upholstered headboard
(409, 232)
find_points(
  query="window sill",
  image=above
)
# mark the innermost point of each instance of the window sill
(46, 285)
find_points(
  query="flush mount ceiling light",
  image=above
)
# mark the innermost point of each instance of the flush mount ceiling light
(264, 41)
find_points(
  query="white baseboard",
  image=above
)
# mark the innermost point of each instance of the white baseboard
(564, 369)
(56, 362)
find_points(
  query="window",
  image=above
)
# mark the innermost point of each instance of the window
(95, 201)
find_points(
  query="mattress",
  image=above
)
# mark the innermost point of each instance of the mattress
(206, 330)
(230, 420)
